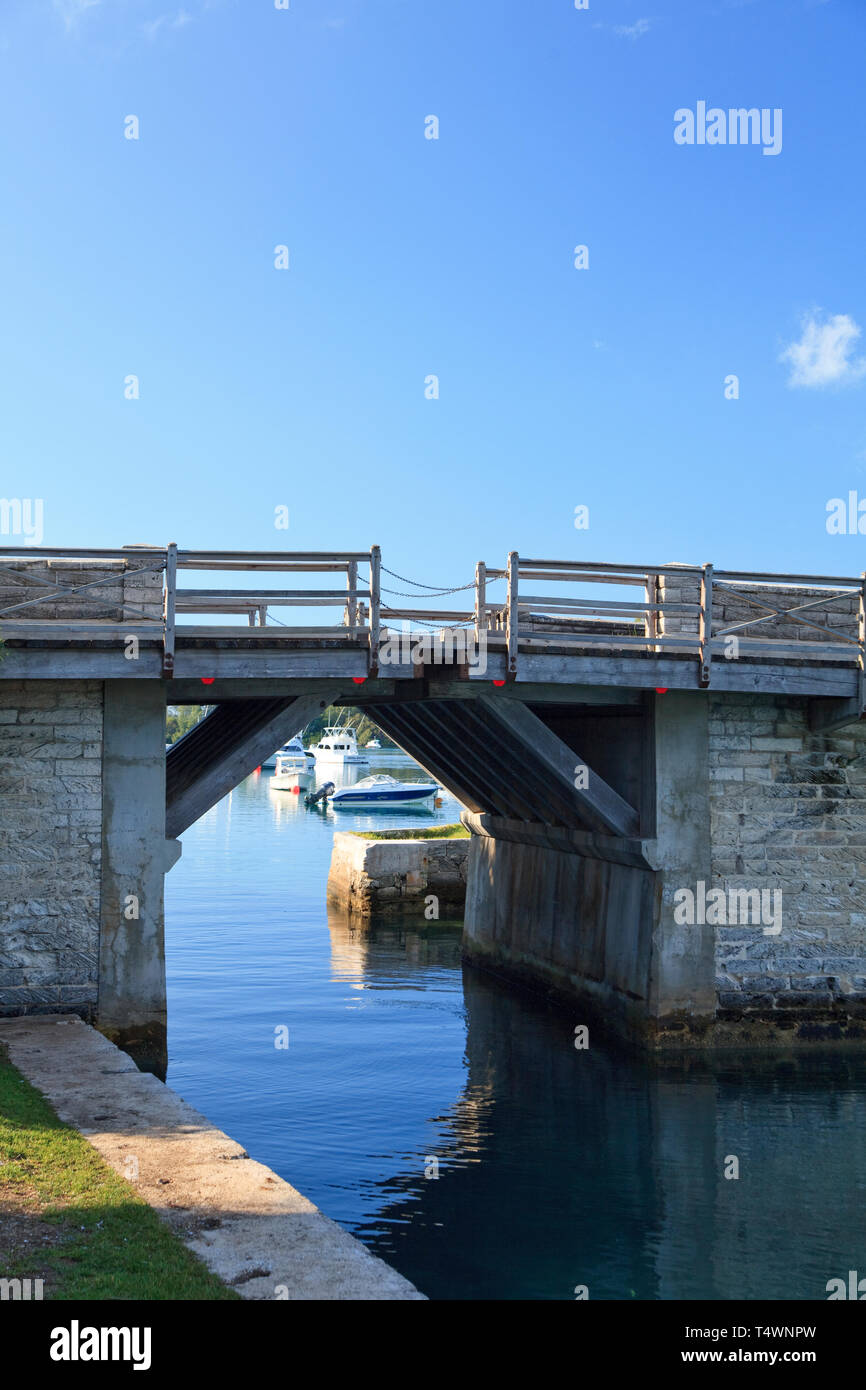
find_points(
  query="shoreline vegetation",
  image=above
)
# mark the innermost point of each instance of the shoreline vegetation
(434, 832)
(70, 1220)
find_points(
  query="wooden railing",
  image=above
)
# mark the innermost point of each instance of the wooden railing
(685, 609)
(548, 605)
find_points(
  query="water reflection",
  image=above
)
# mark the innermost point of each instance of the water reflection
(559, 1168)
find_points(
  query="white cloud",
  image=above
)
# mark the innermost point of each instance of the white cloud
(153, 26)
(70, 11)
(822, 357)
(633, 31)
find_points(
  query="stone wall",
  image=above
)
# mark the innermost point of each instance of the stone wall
(371, 878)
(838, 614)
(125, 595)
(788, 812)
(50, 845)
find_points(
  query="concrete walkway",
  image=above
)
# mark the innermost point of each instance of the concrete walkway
(252, 1229)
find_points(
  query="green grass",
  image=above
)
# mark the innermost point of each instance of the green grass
(436, 832)
(88, 1234)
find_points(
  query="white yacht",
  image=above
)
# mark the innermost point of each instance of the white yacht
(295, 768)
(338, 744)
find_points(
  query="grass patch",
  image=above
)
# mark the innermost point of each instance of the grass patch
(67, 1218)
(435, 832)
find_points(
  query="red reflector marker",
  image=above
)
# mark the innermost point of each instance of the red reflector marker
(208, 680)
(359, 680)
(499, 682)
(661, 690)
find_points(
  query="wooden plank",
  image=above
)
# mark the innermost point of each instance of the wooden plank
(425, 615)
(531, 637)
(263, 566)
(351, 617)
(335, 663)
(633, 581)
(274, 597)
(76, 554)
(189, 692)
(604, 607)
(375, 607)
(605, 568)
(270, 634)
(815, 580)
(254, 557)
(598, 803)
(654, 608)
(792, 648)
(480, 598)
(78, 630)
(170, 601)
(706, 627)
(511, 616)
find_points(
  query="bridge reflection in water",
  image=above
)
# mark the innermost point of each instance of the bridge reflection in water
(561, 1167)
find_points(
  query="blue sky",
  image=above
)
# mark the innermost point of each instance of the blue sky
(559, 387)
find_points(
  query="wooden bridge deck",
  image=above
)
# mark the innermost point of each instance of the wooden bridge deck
(103, 614)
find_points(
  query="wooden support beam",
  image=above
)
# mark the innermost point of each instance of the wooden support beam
(215, 765)
(602, 807)
(828, 714)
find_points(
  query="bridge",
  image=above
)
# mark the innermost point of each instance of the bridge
(621, 736)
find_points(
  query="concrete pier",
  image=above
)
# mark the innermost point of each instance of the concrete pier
(250, 1227)
(414, 877)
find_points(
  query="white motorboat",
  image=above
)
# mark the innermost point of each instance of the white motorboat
(383, 793)
(295, 768)
(373, 743)
(294, 745)
(338, 745)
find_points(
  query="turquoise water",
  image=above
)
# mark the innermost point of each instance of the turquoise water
(556, 1168)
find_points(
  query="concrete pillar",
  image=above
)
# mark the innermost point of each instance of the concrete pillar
(590, 917)
(131, 1008)
(682, 984)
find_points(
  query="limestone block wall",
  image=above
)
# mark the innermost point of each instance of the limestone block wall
(124, 595)
(788, 811)
(838, 614)
(50, 844)
(375, 877)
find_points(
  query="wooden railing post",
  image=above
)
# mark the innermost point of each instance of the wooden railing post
(352, 594)
(861, 635)
(480, 599)
(705, 632)
(511, 618)
(375, 606)
(651, 590)
(168, 610)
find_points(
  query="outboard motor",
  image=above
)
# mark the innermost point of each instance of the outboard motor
(320, 797)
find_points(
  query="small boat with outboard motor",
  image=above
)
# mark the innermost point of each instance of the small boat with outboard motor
(383, 793)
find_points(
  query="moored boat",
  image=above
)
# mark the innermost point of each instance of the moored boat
(295, 768)
(382, 793)
(338, 745)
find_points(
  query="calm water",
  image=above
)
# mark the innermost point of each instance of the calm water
(556, 1168)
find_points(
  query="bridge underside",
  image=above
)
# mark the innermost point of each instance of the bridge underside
(585, 816)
